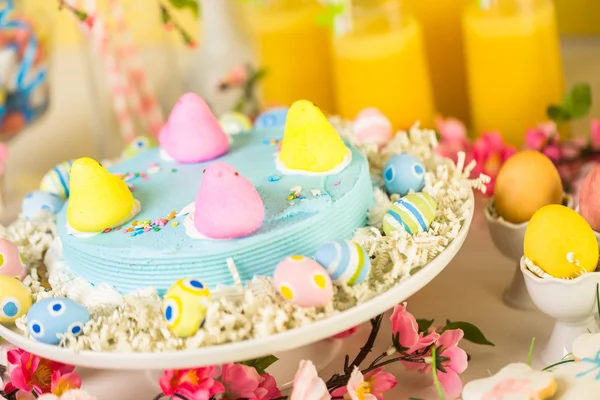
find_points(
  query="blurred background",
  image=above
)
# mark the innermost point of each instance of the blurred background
(496, 65)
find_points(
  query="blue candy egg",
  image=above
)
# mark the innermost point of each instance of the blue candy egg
(272, 119)
(402, 173)
(38, 203)
(51, 317)
(346, 261)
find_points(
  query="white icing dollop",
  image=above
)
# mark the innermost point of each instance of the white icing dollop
(339, 168)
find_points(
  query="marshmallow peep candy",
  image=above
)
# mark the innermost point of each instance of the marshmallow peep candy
(227, 205)
(371, 126)
(12, 262)
(99, 199)
(193, 134)
(309, 142)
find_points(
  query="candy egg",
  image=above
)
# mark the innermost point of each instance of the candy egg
(589, 198)
(57, 180)
(303, 282)
(272, 119)
(38, 203)
(413, 213)
(48, 319)
(345, 261)
(402, 173)
(371, 126)
(138, 145)
(235, 122)
(185, 305)
(526, 182)
(15, 299)
(12, 262)
(561, 242)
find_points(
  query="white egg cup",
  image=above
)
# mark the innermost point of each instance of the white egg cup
(571, 302)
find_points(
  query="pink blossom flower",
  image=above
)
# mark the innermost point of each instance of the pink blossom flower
(456, 364)
(404, 326)
(73, 394)
(237, 76)
(30, 372)
(63, 383)
(370, 386)
(424, 342)
(194, 384)
(595, 133)
(490, 152)
(242, 381)
(308, 385)
(537, 138)
(346, 333)
(454, 139)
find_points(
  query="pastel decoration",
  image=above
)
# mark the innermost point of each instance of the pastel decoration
(515, 382)
(192, 134)
(12, 262)
(345, 261)
(526, 182)
(589, 198)
(309, 142)
(99, 199)
(138, 145)
(48, 320)
(185, 305)
(560, 242)
(227, 205)
(402, 173)
(371, 126)
(38, 204)
(56, 180)
(235, 122)
(303, 282)
(412, 213)
(273, 118)
(15, 299)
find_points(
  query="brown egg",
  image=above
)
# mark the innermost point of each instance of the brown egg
(526, 182)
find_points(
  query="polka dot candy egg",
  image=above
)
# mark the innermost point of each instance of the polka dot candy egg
(12, 262)
(272, 119)
(15, 299)
(303, 282)
(49, 319)
(412, 213)
(185, 305)
(346, 261)
(402, 173)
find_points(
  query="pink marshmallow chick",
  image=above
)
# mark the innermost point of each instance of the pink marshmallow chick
(589, 198)
(227, 205)
(193, 134)
(371, 126)
(12, 262)
(303, 281)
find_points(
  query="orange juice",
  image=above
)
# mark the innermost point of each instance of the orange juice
(441, 22)
(295, 50)
(380, 62)
(514, 65)
(578, 17)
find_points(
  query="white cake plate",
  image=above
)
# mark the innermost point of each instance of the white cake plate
(250, 349)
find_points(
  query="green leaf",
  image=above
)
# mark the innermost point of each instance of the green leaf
(424, 324)
(472, 333)
(558, 114)
(191, 5)
(261, 364)
(327, 17)
(579, 101)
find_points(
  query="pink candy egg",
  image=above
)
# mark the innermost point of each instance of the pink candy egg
(371, 126)
(589, 198)
(12, 262)
(303, 282)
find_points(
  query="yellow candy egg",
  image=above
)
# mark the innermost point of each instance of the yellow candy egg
(185, 305)
(561, 242)
(15, 299)
(526, 182)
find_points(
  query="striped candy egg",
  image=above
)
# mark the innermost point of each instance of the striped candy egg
(56, 180)
(413, 213)
(345, 261)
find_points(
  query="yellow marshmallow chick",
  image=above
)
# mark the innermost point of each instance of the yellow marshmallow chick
(98, 199)
(309, 142)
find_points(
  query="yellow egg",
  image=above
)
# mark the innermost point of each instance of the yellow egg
(561, 242)
(185, 305)
(526, 182)
(15, 299)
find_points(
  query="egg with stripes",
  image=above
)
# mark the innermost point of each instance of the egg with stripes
(15, 299)
(345, 261)
(234, 123)
(38, 204)
(402, 173)
(12, 262)
(56, 180)
(48, 320)
(272, 119)
(303, 282)
(412, 213)
(185, 305)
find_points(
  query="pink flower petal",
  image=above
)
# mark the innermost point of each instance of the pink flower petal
(451, 384)
(381, 381)
(405, 325)
(595, 133)
(458, 359)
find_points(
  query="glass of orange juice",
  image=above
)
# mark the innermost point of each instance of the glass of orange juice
(513, 63)
(294, 49)
(379, 61)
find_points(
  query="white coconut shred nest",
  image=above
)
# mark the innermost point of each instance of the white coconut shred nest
(134, 322)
